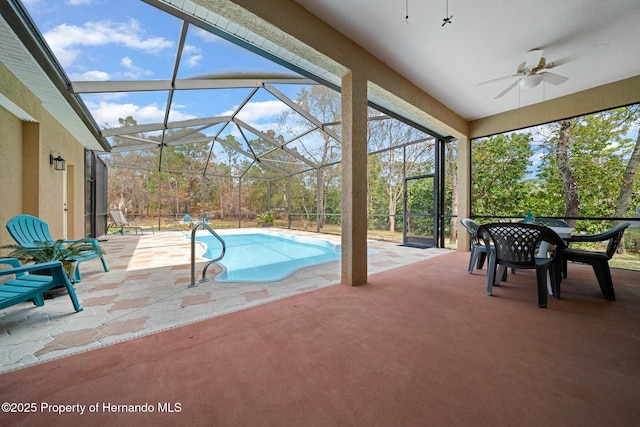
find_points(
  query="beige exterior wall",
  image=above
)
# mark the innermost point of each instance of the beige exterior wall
(29, 183)
(10, 168)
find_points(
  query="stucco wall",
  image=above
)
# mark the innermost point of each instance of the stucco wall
(30, 184)
(10, 169)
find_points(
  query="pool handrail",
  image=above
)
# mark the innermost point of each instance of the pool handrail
(193, 253)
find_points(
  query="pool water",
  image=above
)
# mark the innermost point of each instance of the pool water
(266, 257)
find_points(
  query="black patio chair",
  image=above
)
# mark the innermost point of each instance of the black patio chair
(547, 222)
(515, 245)
(597, 259)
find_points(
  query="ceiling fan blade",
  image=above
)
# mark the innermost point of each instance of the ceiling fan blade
(504, 92)
(499, 79)
(554, 79)
(532, 58)
(576, 56)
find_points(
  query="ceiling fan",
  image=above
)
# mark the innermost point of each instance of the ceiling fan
(534, 70)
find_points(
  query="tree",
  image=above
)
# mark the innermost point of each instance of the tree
(628, 178)
(128, 174)
(500, 166)
(452, 184)
(390, 166)
(325, 105)
(569, 183)
(585, 167)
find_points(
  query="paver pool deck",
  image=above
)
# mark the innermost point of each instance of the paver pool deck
(146, 291)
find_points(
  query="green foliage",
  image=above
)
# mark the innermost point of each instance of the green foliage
(59, 250)
(499, 167)
(265, 219)
(503, 183)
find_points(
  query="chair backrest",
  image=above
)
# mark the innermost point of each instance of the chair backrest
(26, 230)
(118, 218)
(472, 228)
(516, 243)
(186, 219)
(615, 238)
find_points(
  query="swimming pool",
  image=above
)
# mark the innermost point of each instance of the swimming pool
(253, 256)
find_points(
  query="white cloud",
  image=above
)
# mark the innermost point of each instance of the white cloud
(257, 111)
(194, 60)
(206, 35)
(133, 70)
(191, 55)
(78, 2)
(64, 39)
(108, 113)
(92, 75)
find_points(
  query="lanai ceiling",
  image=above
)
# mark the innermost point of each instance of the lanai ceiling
(488, 39)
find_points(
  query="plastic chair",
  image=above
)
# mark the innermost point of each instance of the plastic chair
(478, 249)
(24, 286)
(27, 230)
(515, 245)
(597, 259)
(119, 220)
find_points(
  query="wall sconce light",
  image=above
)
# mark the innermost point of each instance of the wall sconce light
(58, 162)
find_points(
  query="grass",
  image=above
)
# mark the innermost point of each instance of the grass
(628, 261)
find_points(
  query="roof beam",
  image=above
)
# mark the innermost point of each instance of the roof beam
(153, 127)
(293, 105)
(120, 86)
(251, 156)
(79, 87)
(134, 147)
(272, 142)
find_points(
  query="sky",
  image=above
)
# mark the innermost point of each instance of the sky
(131, 40)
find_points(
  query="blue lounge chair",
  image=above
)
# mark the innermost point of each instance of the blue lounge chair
(27, 231)
(25, 286)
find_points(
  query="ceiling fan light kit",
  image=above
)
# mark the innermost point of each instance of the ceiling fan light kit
(531, 80)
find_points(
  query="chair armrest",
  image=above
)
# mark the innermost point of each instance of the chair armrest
(94, 243)
(13, 262)
(31, 267)
(592, 237)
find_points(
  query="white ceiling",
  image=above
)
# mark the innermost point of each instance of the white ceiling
(487, 39)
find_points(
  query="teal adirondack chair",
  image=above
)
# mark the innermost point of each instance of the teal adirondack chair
(25, 286)
(26, 230)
